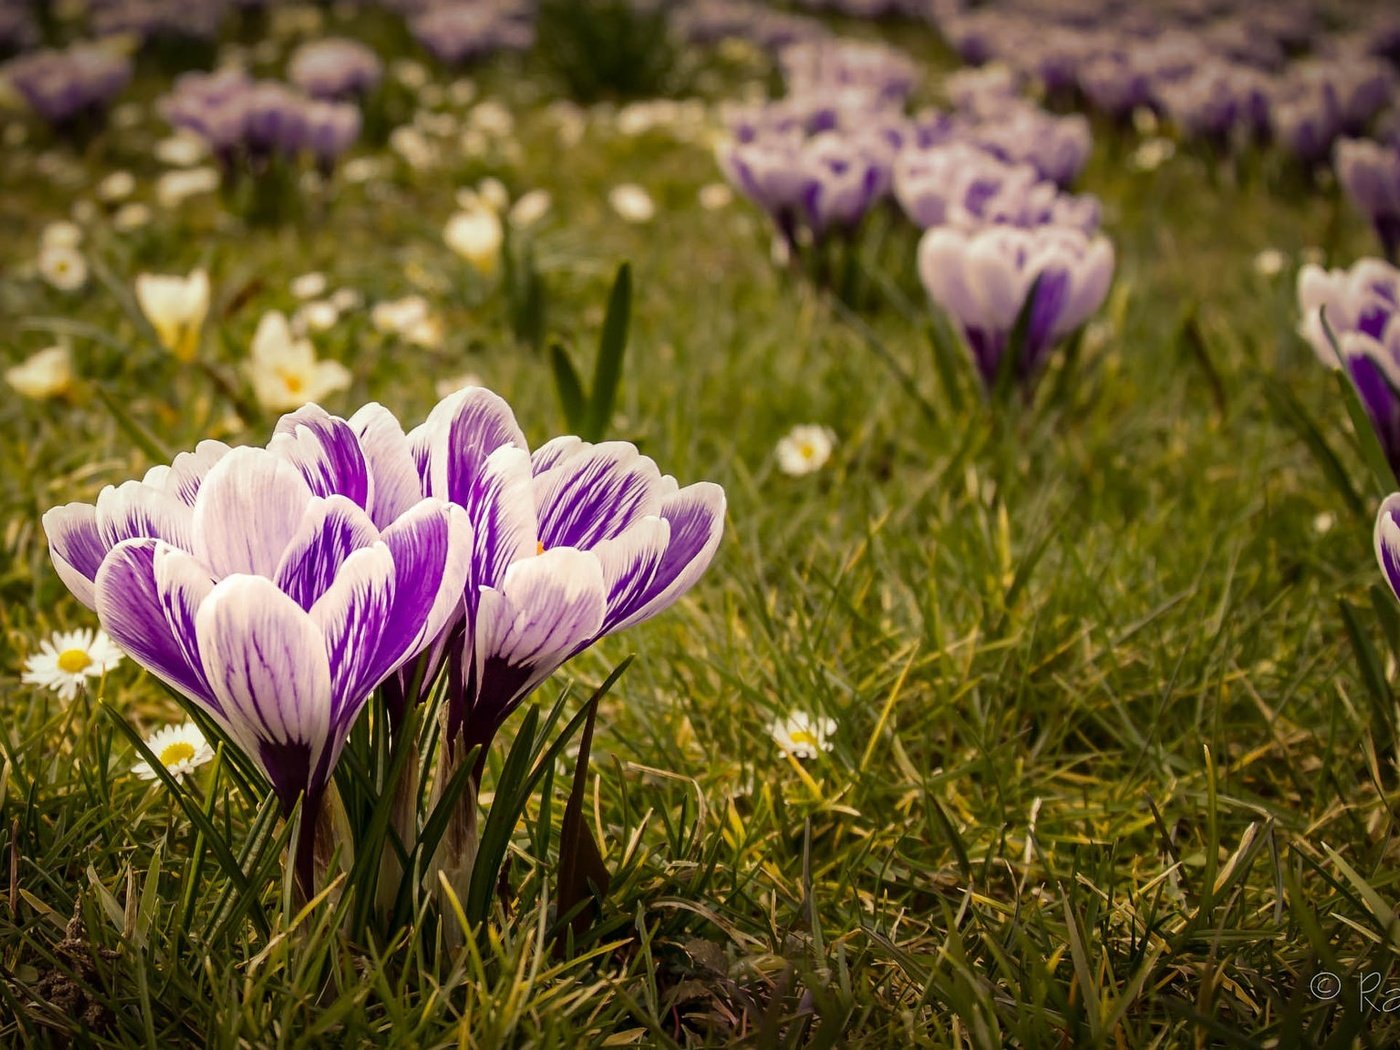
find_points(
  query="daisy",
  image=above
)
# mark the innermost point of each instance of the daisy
(61, 234)
(632, 203)
(117, 186)
(49, 373)
(1270, 262)
(805, 449)
(530, 208)
(802, 735)
(180, 749)
(309, 285)
(63, 267)
(131, 217)
(319, 315)
(66, 661)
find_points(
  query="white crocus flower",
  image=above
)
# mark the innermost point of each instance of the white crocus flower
(285, 371)
(49, 373)
(476, 235)
(176, 307)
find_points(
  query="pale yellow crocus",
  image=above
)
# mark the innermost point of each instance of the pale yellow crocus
(176, 307)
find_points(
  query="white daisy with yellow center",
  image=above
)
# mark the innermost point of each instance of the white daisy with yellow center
(63, 267)
(180, 749)
(805, 449)
(802, 735)
(66, 661)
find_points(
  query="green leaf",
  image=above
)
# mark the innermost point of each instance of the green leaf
(581, 874)
(1190, 336)
(196, 816)
(1009, 365)
(145, 440)
(1371, 670)
(569, 388)
(1288, 408)
(612, 346)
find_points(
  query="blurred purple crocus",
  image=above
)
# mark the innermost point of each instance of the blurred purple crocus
(274, 587)
(1362, 307)
(458, 32)
(1370, 174)
(65, 87)
(982, 280)
(334, 69)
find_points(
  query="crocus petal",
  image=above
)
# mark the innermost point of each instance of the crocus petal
(548, 607)
(396, 485)
(134, 510)
(183, 477)
(75, 547)
(595, 493)
(325, 449)
(695, 520)
(501, 507)
(452, 444)
(330, 530)
(132, 610)
(247, 512)
(266, 663)
(1387, 538)
(353, 616)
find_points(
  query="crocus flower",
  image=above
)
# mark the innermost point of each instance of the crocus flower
(64, 86)
(982, 280)
(1387, 540)
(476, 234)
(335, 68)
(176, 307)
(274, 587)
(284, 370)
(49, 373)
(1370, 174)
(1362, 307)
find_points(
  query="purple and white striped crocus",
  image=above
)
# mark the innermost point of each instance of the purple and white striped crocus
(571, 543)
(1387, 540)
(274, 587)
(982, 279)
(1362, 307)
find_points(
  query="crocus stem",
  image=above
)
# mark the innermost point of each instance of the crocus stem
(403, 825)
(456, 851)
(304, 849)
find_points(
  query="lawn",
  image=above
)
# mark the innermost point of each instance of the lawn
(1112, 747)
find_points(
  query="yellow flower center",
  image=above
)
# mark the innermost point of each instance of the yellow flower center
(539, 546)
(174, 753)
(72, 661)
(807, 450)
(292, 382)
(803, 738)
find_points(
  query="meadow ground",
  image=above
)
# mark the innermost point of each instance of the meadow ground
(1106, 767)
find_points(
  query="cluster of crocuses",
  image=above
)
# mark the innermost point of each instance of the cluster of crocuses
(70, 87)
(277, 588)
(713, 21)
(459, 31)
(335, 69)
(249, 124)
(153, 20)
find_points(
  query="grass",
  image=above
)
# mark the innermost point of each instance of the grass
(1105, 773)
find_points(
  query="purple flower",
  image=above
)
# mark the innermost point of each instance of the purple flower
(982, 279)
(463, 31)
(571, 543)
(335, 68)
(274, 587)
(877, 71)
(844, 176)
(1370, 174)
(153, 19)
(331, 129)
(1362, 307)
(769, 172)
(63, 86)
(1387, 540)
(1055, 146)
(960, 185)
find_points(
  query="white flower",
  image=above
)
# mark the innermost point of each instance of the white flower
(530, 208)
(461, 91)
(805, 449)
(1145, 121)
(1152, 154)
(451, 384)
(715, 196)
(476, 235)
(632, 203)
(117, 186)
(175, 187)
(802, 735)
(361, 169)
(180, 749)
(409, 318)
(413, 146)
(319, 315)
(412, 75)
(284, 370)
(181, 150)
(66, 661)
(1322, 524)
(308, 285)
(176, 307)
(62, 267)
(49, 373)
(61, 234)
(493, 192)
(1270, 262)
(491, 118)
(347, 299)
(131, 216)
